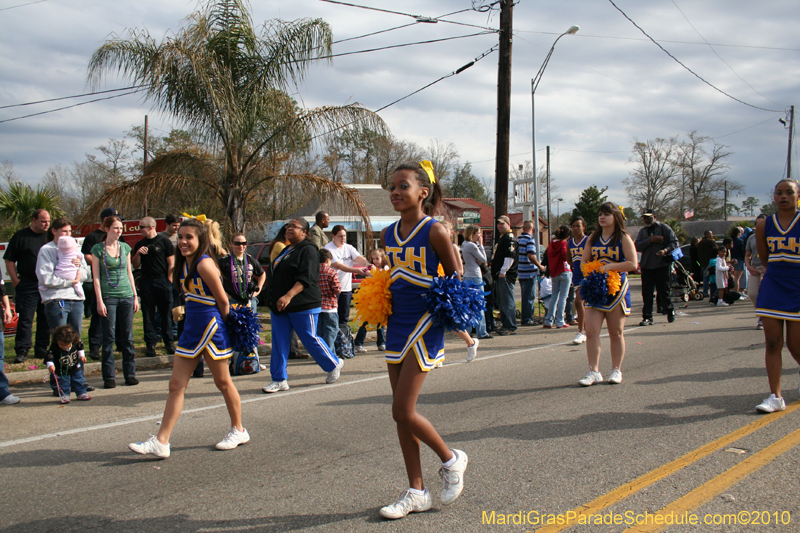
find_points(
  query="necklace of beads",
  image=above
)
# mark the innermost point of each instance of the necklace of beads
(237, 273)
(108, 267)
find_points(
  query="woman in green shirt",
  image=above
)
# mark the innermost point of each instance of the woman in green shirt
(116, 300)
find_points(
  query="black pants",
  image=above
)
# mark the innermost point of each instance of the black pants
(657, 278)
(28, 303)
(156, 293)
(95, 322)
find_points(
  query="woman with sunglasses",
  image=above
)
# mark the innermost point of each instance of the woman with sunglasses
(242, 276)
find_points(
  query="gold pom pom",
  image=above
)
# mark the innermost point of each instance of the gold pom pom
(373, 300)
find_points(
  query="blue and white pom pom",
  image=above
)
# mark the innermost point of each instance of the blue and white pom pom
(594, 290)
(453, 304)
(243, 328)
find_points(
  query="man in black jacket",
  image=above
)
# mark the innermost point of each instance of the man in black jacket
(655, 241)
(504, 274)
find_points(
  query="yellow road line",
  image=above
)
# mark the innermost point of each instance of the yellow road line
(712, 488)
(620, 493)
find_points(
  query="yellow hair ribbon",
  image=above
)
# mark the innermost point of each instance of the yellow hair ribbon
(428, 167)
(622, 210)
(200, 218)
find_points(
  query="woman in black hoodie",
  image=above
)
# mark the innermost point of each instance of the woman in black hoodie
(295, 301)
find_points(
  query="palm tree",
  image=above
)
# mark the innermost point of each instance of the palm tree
(18, 201)
(222, 79)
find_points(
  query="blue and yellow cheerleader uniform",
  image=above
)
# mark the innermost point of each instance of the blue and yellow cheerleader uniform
(410, 327)
(779, 294)
(203, 327)
(576, 253)
(608, 253)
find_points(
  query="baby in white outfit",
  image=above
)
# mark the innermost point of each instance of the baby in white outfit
(68, 250)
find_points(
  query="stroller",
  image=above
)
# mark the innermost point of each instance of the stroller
(682, 285)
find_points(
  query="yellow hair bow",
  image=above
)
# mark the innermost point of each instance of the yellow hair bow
(200, 218)
(622, 210)
(428, 167)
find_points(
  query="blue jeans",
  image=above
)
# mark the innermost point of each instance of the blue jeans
(481, 328)
(504, 296)
(119, 318)
(3, 379)
(528, 299)
(561, 285)
(362, 334)
(328, 328)
(706, 280)
(60, 312)
(304, 323)
(71, 382)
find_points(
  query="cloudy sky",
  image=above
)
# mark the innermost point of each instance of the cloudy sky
(604, 87)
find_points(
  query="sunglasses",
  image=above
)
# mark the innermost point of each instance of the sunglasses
(240, 243)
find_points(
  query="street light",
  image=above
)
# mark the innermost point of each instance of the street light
(534, 84)
(558, 209)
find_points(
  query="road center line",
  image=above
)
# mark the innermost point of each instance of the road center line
(661, 472)
(715, 486)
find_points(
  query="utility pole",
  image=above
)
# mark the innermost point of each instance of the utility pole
(549, 222)
(503, 110)
(145, 161)
(725, 203)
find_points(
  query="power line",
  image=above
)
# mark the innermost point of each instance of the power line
(68, 107)
(719, 56)
(73, 96)
(687, 68)
(22, 5)
(401, 45)
(418, 18)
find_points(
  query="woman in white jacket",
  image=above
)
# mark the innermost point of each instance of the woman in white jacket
(62, 298)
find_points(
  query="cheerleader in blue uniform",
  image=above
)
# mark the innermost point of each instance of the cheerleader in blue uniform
(204, 334)
(414, 344)
(576, 245)
(779, 294)
(612, 245)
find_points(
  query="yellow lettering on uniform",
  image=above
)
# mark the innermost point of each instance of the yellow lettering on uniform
(410, 258)
(605, 252)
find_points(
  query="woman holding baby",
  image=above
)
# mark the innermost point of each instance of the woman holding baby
(61, 268)
(116, 300)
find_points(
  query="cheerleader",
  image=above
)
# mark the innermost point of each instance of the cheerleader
(778, 300)
(610, 244)
(204, 334)
(576, 245)
(415, 246)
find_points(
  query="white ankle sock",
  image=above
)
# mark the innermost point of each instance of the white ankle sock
(451, 462)
(417, 492)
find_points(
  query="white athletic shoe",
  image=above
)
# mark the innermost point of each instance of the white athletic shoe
(771, 404)
(580, 338)
(591, 378)
(9, 400)
(233, 439)
(276, 386)
(472, 351)
(408, 503)
(333, 375)
(453, 478)
(722, 303)
(151, 446)
(616, 376)
(440, 364)
(360, 348)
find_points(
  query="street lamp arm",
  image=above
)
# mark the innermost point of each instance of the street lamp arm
(535, 82)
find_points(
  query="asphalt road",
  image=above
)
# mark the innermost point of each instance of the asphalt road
(326, 457)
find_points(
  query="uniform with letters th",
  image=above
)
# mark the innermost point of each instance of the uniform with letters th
(607, 253)
(203, 328)
(576, 253)
(410, 328)
(779, 293)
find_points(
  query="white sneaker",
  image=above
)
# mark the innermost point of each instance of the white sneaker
(333, 375)
(722, 303)
(591, 378)
(381, 347)
(580, 338)
(151, 446)
(771, 404)
(472, 351)
(276, 386)
(9, 400)
(440, 364)
(233, 439)
(453, 478)
(408, 503)
(616, 376)
(360, 349)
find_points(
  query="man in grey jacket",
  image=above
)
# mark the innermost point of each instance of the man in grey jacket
(655, 241)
